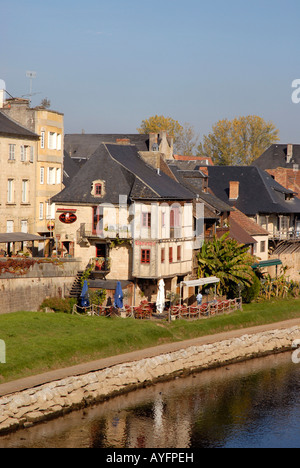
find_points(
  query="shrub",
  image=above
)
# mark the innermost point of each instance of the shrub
(58, 304)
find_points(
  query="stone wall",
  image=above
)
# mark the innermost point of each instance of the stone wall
(23, 409)
(26, 291)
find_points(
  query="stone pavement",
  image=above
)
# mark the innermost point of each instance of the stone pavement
(81, 369)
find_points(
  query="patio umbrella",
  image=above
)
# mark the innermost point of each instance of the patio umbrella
(119, 296)
(160, 301)
(84, 296)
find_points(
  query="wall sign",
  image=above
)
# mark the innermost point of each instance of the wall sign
(68, 218)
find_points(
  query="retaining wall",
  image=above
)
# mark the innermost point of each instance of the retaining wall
(26, 289)
(23, 409)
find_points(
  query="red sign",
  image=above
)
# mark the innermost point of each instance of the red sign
(68, 218)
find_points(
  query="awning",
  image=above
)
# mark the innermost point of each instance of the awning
(267, 263)
(201, 281)
(18, 237)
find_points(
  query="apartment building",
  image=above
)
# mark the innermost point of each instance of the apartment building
(18, 152)
(48, 158)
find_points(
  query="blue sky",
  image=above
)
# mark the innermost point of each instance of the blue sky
(108, 64)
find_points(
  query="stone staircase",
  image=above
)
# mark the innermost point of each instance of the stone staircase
(76, 287)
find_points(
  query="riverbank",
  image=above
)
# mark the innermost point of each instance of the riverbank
(53, 394)
(37, 342)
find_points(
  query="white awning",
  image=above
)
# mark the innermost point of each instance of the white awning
(201, 281)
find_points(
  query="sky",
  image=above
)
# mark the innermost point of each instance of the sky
(109, 64)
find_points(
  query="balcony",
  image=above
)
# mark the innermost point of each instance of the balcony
(90, 231)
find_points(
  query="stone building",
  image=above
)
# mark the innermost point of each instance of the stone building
(18, 153)
(48, 158)
(127, 218)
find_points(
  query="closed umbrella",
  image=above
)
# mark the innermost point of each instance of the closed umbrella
(84, 296)
(160, 301)
(119, 296)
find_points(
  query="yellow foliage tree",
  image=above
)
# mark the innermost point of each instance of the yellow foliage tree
(159, 123)
(239, 141)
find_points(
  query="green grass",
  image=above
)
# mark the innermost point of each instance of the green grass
(37, 342)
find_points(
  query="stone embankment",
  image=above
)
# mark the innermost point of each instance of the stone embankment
(54, 399)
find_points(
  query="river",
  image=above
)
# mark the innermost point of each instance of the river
(248, 405)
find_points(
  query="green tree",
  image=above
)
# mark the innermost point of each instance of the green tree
(239, 141)
(229, 261)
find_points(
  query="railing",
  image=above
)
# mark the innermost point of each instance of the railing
(147, 311)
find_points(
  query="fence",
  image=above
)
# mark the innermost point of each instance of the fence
(146, 311)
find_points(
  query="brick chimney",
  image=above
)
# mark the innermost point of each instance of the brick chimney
(123, 141)
(234, 190)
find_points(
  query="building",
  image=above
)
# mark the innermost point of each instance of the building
(18, 153)
(49, 156)
(256, 194)
(282, 162)
(123, 215)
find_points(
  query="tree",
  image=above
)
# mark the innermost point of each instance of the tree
(228, 260)
(46, 103)
(158, 123)
(187, 141)
(239, 141)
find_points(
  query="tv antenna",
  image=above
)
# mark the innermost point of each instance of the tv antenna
(31, 75)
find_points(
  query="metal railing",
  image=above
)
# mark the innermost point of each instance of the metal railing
(148, 312)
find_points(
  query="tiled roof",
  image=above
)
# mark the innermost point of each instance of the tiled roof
(250, 226)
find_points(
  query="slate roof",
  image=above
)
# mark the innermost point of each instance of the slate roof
(258, 192)
(70, 169)
(11, 128)
(124, 173)
(192, 179)
(83, 146)
(276, 155)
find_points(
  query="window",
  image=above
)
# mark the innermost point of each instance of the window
(52, 140)
(11, 155)
(9, 226)
(163, 220)
(145, 256)
(146, 220)
(42, 175)
(23, 153)
(41, 211)
(163, 255)
(31, 154)
(10, 191)
(50, 210)
(263, 246)
(24, 191)
(98, 190)
(97, 220)
(58, 175)
(179, 253)
(51, 175)
(43, 139)
(170, 254)
(24, 227)
(58, 142)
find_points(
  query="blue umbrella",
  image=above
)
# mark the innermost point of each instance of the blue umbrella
(84, 296)
(119, 296)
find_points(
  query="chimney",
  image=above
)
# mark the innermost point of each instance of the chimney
(2, 93)
(123, 141)
(289, 153)
(153, 142)
(234, 190)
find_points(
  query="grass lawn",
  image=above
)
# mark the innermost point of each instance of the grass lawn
(37, 342)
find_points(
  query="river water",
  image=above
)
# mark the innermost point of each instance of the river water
(247, 405)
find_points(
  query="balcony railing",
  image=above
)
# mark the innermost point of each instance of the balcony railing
(89, 231)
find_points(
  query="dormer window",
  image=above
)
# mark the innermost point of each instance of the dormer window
(98, 190)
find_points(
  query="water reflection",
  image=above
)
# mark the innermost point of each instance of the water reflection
(253, 404)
